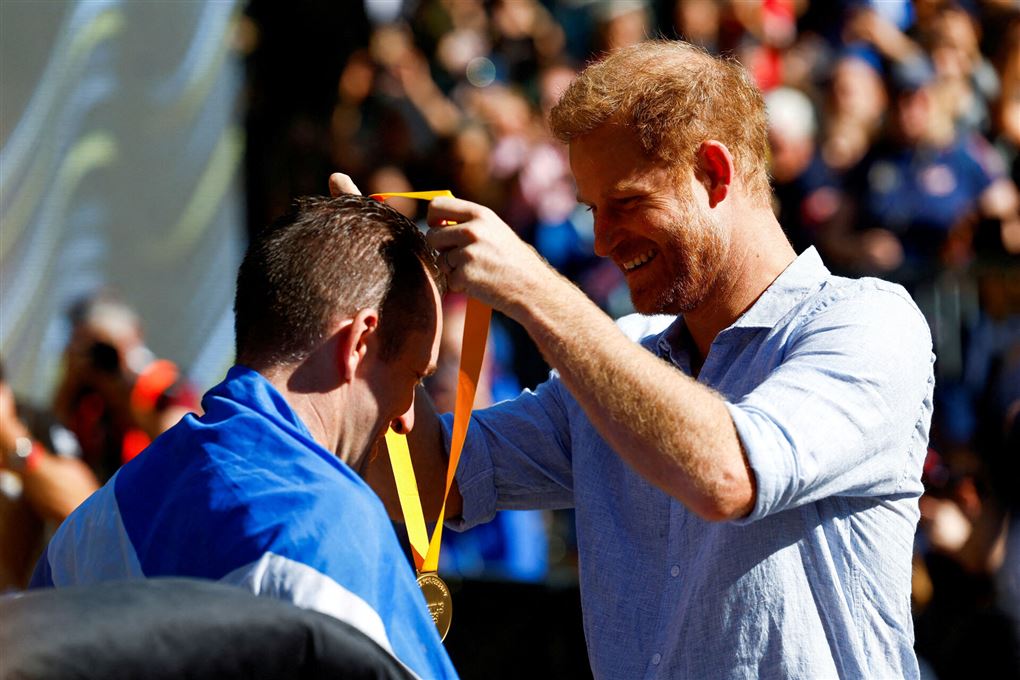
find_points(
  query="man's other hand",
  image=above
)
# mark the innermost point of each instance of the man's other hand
(340, 183)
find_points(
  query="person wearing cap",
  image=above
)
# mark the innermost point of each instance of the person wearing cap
(113, 393)
(337, 320)
(745, 481)
(909, 208)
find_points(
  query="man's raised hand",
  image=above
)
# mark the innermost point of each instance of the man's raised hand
(482, 256)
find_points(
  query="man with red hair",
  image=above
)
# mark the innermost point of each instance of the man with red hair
(746, 480)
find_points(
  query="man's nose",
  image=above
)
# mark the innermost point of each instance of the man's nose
(403, 423)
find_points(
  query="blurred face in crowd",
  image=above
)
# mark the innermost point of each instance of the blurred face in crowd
(791, 154)
(647, 220)
(955, 49)
(698, 21)
(858, 91)
(627, 25)
(552, 84)
(912, 112)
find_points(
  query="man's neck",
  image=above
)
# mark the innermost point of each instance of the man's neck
(759, 253)
(317, 417)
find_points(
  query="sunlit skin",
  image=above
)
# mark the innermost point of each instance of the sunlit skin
(647, 222)
(390, 386)
(717, 248)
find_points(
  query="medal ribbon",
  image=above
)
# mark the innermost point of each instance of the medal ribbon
(476, 331)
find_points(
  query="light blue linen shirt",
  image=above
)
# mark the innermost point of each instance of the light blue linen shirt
(829, 383)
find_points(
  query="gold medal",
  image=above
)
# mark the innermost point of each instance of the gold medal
(437, 597)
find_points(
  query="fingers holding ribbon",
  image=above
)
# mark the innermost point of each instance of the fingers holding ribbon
(480, 254)
(452, 223)
(447, 266)
(446, 211)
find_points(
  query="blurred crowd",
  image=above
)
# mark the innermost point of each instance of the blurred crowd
(895, 133)
(114, 396)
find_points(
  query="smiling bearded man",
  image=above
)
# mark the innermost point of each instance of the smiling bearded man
(745, 481)
(668, 249)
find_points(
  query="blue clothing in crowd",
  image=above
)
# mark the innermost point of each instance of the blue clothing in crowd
(829, 384)
(922, 193)
(245, 495)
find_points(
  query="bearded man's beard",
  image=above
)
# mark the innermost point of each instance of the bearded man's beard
(697, 251)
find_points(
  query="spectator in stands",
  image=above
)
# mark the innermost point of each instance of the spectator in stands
(114, 394)
(854, 110)
(913, 202)
(42, 479)
(805, 188)
(967, 81)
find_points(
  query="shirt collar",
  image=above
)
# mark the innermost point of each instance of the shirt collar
(249, 389)
(804, 275)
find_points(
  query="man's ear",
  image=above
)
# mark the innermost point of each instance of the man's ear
(353, 340)
(715, 170)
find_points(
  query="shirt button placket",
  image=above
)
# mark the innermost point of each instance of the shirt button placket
(674, 571)
(656, 658)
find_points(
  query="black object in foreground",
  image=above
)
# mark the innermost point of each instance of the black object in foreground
(178, 628)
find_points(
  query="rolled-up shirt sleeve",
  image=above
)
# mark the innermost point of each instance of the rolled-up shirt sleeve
(833, 418)
(516, 456)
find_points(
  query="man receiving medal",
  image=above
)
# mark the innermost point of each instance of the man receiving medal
(337, 319)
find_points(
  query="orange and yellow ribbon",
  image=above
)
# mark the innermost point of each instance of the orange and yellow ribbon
(425, 551)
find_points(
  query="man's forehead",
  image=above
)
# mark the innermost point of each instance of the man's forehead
(638, 182)
(644, 178)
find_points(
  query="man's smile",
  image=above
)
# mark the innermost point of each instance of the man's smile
(639, 261)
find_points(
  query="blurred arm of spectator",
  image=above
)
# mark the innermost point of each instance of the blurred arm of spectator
(1001, 201)
(873, 251)
(985, 548)
(967, 526)
(394, 50)
(1008, 119)
(52, 485)
(440, 113)
(867, 25)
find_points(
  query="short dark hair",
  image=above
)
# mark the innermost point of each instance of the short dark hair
(324, 259)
